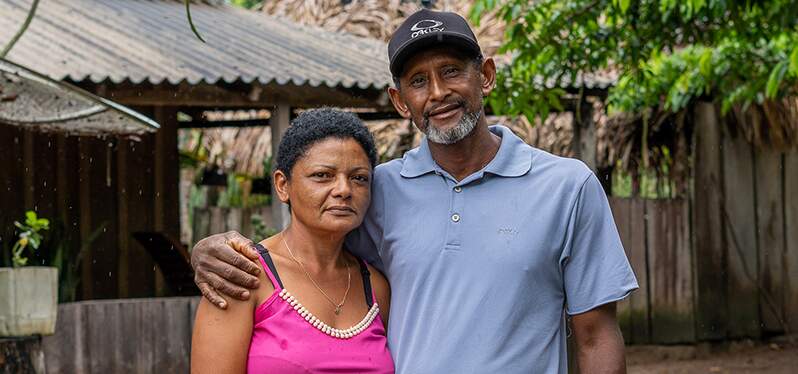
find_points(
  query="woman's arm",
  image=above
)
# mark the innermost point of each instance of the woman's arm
(220, 343)
(383, 292)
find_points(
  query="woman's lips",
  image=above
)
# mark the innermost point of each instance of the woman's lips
(341, 210)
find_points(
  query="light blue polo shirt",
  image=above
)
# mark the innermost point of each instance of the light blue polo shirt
(482, 271)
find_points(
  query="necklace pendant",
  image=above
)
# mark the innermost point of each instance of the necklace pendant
(337, 310)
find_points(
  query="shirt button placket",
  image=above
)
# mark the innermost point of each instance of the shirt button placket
(455, 217)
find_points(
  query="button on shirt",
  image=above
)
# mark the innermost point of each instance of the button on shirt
(483, 270)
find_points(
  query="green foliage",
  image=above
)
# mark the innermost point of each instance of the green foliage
(259, 228)
(667, 52)
(248, 4)
(30, 237)
(232, 196)
(52, 245)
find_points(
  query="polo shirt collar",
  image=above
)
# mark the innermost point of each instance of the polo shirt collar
(514, 158)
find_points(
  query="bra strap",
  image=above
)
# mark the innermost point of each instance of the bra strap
(364, 271)
(271, 271)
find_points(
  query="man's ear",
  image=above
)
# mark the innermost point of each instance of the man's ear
(488, 76)
(281, 185)
(398, 102)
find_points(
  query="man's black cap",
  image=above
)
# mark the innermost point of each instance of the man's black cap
(425, 28)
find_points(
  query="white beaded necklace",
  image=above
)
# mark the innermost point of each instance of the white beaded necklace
(325, 328)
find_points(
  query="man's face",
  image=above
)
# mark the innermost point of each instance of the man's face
(441, 91)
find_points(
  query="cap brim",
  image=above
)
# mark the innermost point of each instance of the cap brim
(411, 47)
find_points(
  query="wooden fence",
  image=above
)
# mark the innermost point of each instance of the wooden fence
(122, 336)
(722, 264)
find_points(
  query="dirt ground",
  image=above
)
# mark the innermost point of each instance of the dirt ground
(778, 357)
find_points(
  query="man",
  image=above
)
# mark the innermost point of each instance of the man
(487, 242)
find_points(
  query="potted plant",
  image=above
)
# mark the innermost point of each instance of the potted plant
(28, 294)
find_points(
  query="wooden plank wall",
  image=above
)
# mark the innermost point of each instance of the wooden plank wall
(88, 182)
(656, 238)
(122, 336)
(670, 271)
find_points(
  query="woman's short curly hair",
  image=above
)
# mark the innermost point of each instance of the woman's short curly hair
(315, 125)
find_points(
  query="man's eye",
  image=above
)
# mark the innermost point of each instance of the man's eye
(320, 174)
(416, 82)
(361, 178)
(452, 71)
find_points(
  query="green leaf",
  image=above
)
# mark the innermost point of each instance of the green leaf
(775, 78)
(705, 63)
(623, 5)
(794, 61)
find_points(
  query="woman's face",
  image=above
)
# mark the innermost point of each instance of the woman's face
(330, 186)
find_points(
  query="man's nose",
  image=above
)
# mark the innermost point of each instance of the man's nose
(438, 90)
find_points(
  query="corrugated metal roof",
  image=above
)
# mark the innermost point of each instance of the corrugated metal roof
(150, 40)
(37, 102)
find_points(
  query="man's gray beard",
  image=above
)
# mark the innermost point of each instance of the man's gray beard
(465, 126)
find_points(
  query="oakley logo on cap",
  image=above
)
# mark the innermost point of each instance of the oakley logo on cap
(426, 26)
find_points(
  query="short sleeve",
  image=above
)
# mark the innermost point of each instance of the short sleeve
(594, 264)
(365, 241)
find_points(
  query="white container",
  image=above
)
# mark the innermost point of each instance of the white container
(28, 300)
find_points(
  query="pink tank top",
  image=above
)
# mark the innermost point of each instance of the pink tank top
(287, 339)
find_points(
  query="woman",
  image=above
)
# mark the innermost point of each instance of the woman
(319, 309)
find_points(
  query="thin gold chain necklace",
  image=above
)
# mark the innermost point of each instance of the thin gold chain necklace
(307, 274)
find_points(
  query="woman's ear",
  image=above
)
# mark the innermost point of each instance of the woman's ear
(281, 184)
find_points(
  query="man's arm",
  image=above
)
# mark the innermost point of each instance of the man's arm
(225, 263)
(599, 343)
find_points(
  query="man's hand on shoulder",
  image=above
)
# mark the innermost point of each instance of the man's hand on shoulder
(225, 263)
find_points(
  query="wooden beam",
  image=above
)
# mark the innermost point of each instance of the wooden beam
(239, 94)
(281, 120)
(222, 124)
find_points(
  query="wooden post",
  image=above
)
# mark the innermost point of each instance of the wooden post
(770, 230)
(708, 246)
(166, 180)
(791, 238)
(123, 194)
(739, 218)
(84, 171)
(584, 140)
(27, 176)
(281, 120)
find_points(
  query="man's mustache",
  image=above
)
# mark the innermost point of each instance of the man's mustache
(458, 102)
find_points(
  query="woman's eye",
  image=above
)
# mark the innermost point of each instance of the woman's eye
(361, 178)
